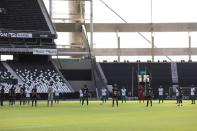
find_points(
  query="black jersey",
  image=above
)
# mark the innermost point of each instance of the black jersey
(22, 90)
(11, 92)
(2, 93)
(149, 92)
(85, 92)
(34, 92)
(180, 92)
(115, 92)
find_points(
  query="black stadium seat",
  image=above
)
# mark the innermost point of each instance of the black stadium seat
(40, 75)
(24, 20)
(22, 15)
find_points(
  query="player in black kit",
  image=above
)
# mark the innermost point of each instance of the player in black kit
(149, 96)
(115, 95)
(85, 94)
(2, 95)
(12, 96)
(22, 95)
(34, 96)
(180, 98)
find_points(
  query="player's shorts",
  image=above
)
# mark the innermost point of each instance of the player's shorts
(160, 97)
(50, 97)
(193, 97)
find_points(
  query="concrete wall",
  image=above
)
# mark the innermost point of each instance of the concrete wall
(73, 64)
(77, 85)
(76, 64)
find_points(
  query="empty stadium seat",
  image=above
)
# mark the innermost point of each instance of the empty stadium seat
(40, 75)
(22, 15)
(25, 24)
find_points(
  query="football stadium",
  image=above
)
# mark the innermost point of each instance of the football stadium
(98, 65)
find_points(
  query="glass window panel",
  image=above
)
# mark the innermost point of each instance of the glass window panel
(134, 40)
(171, 39)
(60, 9)
(105, 40)
(194, 58)
(87, 12)
(193, 39)
(132, 11)
(174, 11)
(63, 39)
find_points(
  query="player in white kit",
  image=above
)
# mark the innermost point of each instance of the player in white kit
(160, 91)
(104, 94)
(80, 95)
(177, 95)
(193, 94)
(57, 95)
(28, 91)
(123, 94)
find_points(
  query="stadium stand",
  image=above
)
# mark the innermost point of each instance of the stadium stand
(22, 15)
(25, 24)
(5, 76)
(187, 74)
(119, 73)
(40, 75)
(26, 28)
(160, 73)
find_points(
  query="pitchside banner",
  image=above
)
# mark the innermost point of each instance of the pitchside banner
(37, 51)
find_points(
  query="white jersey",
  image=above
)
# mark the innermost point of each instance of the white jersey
(50, 93)
(81, 93)
(160, 90)
(57, 92)
(27, 93)
(192, 91)
(177, 92)
(123, 91)
(104, 92)
(50, 90)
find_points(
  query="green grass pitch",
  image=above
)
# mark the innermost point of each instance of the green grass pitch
(71, 116)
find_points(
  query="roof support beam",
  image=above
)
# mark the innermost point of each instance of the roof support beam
(144, 51)
(129, 27)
